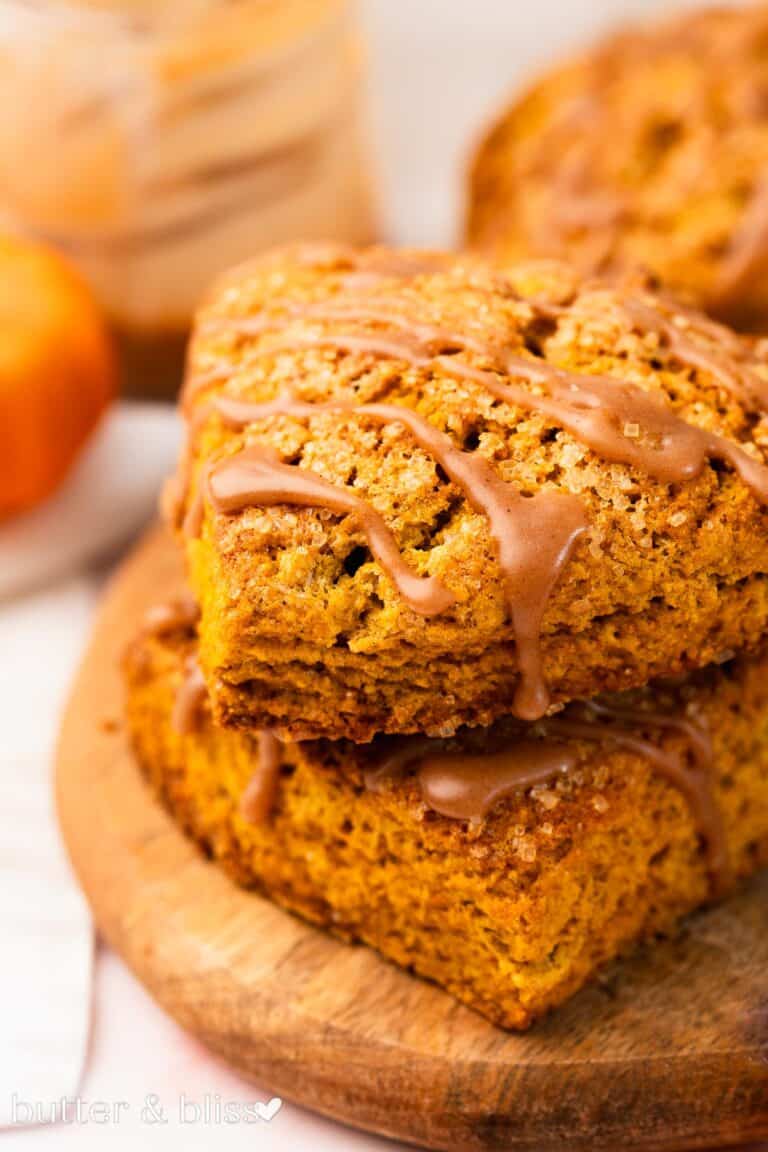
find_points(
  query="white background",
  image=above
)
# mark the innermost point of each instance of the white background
(438, 68)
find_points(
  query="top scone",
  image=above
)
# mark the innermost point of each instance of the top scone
(419, 492)
(651, 151)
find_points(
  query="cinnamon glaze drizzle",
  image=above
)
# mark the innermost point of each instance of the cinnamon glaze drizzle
(589, 205)
(617, 420)
(736, 378)
(190, 698)
(181, 612)
(259, 796)
(535, 536)
(466, 786)
(257, 476)
(747, 252)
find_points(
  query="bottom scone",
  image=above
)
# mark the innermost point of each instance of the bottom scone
(508, 864)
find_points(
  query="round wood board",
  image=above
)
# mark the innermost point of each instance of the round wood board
(669, 1051)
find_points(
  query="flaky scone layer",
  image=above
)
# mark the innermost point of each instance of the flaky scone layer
(649, 151)
(511, 916)
(303, 630)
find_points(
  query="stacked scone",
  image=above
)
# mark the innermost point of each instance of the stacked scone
(471, 669)
(648, 150)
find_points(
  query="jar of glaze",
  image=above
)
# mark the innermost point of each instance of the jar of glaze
(157, 142)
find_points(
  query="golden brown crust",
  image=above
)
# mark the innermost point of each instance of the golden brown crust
(511, 917)
(648, 151)
(303, 630)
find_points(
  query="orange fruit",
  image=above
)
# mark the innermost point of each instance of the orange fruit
(57, 371)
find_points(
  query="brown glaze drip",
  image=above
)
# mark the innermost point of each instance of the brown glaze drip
(577, 206)
(257, 476)
(736, 378)
(674, 335)
(217, 373)
(190, 698)
(177, 614)
(534, 536)
(358, 268)
(595, 136)
(192, 524)
(616, 419)
(425, 341)
(259, 796)
(691, 775)
(747, 253)
(620, 422)
(465, 786)
(604, 135)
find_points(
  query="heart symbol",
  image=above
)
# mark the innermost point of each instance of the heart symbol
(270, 1110)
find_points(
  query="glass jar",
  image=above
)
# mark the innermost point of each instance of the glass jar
(157, 143)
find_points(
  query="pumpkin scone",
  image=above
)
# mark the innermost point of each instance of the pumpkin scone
(419, 492)
(507, 865)
(650, 150)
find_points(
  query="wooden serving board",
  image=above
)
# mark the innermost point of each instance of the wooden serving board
(668, 1052)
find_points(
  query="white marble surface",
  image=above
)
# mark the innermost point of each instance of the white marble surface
(438, 67)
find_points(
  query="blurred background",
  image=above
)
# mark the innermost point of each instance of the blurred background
(153, 144)
(156, 143)
(438, 71)
(150, 145)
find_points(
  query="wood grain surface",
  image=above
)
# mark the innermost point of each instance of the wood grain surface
(668, 1051)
